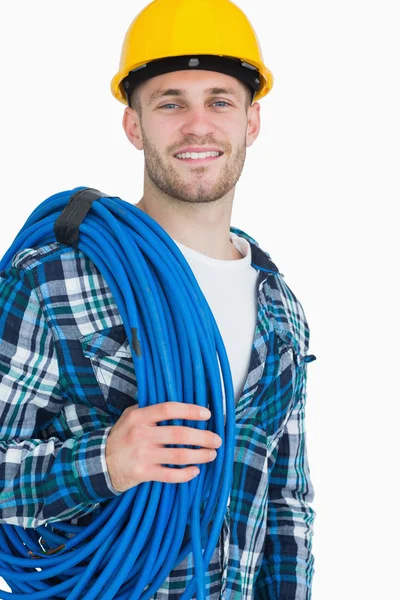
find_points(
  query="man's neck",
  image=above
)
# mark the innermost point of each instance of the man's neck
(204, 227)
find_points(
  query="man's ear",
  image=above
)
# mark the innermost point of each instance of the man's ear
(253, 123)
(132, 127)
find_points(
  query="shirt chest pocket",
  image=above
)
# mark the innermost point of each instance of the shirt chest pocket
(283, 377)
(111, 360)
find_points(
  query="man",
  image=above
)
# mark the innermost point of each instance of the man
(192, 111)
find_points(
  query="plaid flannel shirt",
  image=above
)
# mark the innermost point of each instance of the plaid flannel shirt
(66, 375)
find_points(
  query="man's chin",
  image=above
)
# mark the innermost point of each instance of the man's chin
(202, 196)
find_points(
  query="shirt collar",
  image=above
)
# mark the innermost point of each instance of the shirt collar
(260, 259)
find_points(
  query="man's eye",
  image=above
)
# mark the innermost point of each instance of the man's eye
(168, 105)
(216, 102)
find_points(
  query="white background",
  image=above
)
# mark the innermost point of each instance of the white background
(318, 192)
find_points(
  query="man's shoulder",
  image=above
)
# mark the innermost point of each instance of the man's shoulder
(55, 270)
(284, 307)
(74, 295)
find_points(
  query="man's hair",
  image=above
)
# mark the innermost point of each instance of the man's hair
(137, 105)
(135, 99)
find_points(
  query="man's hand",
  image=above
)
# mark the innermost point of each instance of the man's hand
(135, 448)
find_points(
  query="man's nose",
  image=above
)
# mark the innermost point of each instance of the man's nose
(198, 121)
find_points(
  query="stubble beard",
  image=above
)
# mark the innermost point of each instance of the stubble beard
(168, 179)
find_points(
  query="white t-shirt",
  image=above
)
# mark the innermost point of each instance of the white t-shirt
(230, 288)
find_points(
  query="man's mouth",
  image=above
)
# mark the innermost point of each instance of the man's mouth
(196, 158)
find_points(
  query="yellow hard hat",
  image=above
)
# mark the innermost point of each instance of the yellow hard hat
(171, 35)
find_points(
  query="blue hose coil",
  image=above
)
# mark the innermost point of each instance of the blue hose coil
(136, 539)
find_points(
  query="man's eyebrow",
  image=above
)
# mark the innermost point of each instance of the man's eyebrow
(216, 91)
(162, 93)
(213, 91)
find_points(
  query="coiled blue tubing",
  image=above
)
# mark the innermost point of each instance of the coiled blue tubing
(137, 537)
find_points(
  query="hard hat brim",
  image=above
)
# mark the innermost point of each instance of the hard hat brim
(241, 69)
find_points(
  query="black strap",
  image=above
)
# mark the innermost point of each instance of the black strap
(234, 67)
(66, 228)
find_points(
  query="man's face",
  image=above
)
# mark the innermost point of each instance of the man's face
(195, 111)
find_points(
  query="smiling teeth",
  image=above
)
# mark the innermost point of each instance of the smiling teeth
(195, 155)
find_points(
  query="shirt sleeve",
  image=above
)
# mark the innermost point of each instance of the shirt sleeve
(40, 480)
(288, 563)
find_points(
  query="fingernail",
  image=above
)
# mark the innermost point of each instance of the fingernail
(205, 413)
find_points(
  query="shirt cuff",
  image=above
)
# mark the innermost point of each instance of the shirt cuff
(89, 467)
